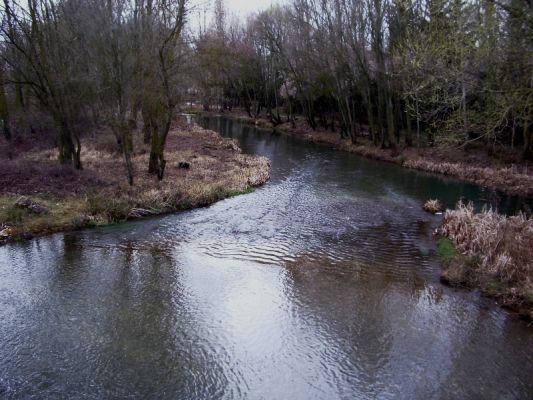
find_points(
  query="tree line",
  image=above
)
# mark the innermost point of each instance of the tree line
(395, 72)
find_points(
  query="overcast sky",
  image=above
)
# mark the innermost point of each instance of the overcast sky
(239, 7)
(247, 6)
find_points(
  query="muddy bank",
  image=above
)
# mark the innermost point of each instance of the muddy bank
(202, 167)
(489, 252)
(470, 165)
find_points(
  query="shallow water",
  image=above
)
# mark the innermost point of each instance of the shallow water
(322, 284)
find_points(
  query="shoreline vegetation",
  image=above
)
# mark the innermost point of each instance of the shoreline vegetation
(39, 197)
(489, 252)
(471, 165)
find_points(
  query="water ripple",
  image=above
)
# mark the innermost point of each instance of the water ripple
(321, 285)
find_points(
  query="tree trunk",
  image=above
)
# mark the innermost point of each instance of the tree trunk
(147, 128)
(127, 149)
(4, 113)
(19, 95)
(77, 153)
(310, 115)
(528, 139)
(390, 123)
(157, 161)
(133, 117)
(248, 109)
(65, 145)
(370, 116)
(380, 119)
(463, 110)
(6, 128)
(409, 130)
(417, 125)
(153, 163)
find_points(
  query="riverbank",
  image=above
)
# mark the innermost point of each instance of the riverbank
(472, 164)
(490, 252)
(38, 196)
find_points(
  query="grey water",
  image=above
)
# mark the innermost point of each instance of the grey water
(322, 284)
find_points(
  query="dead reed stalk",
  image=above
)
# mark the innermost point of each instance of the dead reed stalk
(496, 253)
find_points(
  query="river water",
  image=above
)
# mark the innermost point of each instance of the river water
(323, 284)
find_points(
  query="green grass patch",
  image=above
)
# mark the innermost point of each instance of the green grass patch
(446, 250)
(235, 193)
(110, 208)
(9, 214)
(64, 214)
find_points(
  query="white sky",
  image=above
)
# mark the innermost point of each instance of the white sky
(239, 7)
(247, 6)
(201, 13)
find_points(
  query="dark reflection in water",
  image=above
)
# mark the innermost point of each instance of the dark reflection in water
(323, 284)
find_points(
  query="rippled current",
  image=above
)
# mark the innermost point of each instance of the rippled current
(323, 284)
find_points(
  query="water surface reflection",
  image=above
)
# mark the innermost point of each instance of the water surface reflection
(323, 284)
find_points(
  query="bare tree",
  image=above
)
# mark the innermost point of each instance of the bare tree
(160, 39)
(43, 35)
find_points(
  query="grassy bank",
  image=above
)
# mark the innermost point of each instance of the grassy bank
(491, 252)
(100, 195)
(468, 164)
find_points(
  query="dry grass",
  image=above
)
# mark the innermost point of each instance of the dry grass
(433, 206)
(100, 194)
(496, 254)
(505, 179)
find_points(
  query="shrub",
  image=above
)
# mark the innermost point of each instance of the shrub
(433, 206)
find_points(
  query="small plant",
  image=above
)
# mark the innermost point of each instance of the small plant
(446, 250)
(10, 214)
(433, 206)
(112, 209)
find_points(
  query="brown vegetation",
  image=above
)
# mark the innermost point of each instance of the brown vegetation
(100, 195)
(495, 254)
(433, 206)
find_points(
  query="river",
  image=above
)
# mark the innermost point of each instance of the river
(323, 284)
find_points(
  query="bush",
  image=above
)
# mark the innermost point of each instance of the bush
(433, 206)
